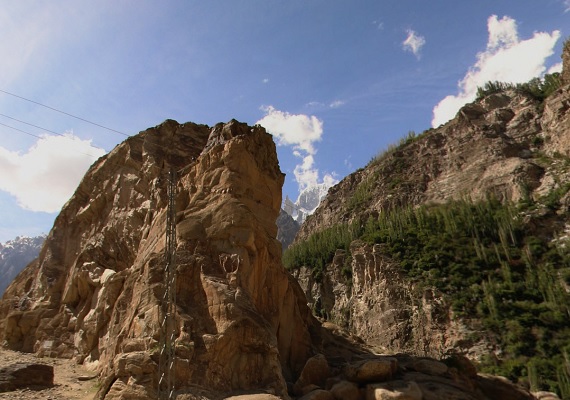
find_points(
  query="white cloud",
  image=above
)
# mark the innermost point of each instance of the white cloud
(265, 80)
(506, 59)
(413, 43)
(502, 33)
(566, 5)
(45, 177)
(301, 132)
(306, 174)
(298, 130)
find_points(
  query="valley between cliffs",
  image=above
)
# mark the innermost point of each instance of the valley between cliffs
(446, 252)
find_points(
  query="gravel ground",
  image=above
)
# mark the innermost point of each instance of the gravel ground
(67, 382)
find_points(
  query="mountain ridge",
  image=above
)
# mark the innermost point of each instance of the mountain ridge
(364, 257)
(15, 255)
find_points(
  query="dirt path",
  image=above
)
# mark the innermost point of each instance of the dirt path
(67, 385)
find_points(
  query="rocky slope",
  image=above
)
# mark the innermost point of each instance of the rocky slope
(15, 255)
(509, 145)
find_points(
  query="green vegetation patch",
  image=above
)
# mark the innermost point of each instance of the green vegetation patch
(538, 88)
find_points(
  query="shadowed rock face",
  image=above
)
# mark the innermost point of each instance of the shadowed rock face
(94, 293)
(287, 229)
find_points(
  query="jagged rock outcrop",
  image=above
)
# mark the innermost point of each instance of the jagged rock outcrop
(94, 293)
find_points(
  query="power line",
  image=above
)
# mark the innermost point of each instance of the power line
(167, 149)
(167, 361)
(27, 123)
(39, 137)
(59, 134)
(66, 113)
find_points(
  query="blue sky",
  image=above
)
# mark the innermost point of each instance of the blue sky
(334, 81)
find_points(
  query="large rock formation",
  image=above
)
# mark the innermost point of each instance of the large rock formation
(94, 293)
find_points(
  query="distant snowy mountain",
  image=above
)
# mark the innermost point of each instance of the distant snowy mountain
(306, 203)
(15, 255)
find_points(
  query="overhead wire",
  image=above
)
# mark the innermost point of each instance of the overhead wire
(65, 113)
(63, 135)
(39, 137)
(27, 123)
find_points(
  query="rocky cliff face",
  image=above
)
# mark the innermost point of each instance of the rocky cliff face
(508, 145)
(491, 147)
(287, 229)
(15, 255)
(94, 293)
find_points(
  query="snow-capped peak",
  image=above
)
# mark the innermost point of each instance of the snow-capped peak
(307, 202)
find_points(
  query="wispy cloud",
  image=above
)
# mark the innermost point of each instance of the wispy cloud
(348, 163)
(336, 104)
(414, 43)
(566, 6)
(265, 80)
(506, 59)
(45, 177)
(301, 132)
(314, 104)
(23, 43)
(379, 24)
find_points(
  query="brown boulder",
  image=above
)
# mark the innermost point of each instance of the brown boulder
(20, 375)
(318, 394)
(394, 390)
(315, 372)
(497, 387)
(345, 390)
(372, 370)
